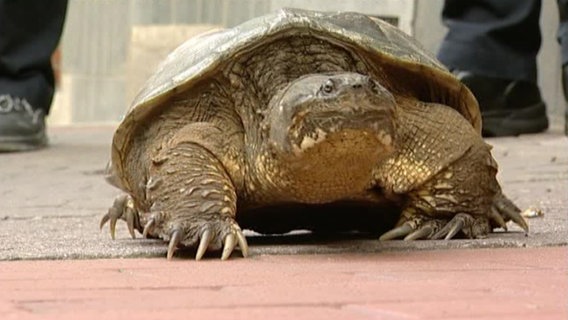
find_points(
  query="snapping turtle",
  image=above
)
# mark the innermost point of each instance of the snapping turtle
(302, 107)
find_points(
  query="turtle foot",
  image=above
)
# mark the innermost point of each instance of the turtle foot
(123, 209)
(216, 234)
(425, 228)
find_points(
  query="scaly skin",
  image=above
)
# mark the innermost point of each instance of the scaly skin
(196, 200)
(447, 174)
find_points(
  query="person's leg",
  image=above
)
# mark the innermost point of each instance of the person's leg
(29, 33)
(563, 40)
(491, 45)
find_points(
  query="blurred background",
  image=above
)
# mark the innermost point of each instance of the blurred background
(110, 47)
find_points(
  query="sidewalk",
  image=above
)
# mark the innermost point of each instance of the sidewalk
(53, 199)
(447, 284)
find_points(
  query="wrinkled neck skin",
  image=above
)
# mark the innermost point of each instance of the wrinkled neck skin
(338, 168)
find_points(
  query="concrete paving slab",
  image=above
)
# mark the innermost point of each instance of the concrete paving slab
(52, 201)
(528, 283)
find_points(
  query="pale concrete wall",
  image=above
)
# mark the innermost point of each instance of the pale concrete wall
(550, 65)
(94, 51)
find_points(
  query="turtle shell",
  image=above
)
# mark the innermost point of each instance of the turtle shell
(412, 71)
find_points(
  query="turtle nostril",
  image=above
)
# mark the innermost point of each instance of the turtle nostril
(357, 86)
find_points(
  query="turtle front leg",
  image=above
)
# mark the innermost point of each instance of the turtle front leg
(464, 198)
(193, 202)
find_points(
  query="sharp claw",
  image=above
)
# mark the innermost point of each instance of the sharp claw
(112, 216)
(419, 234)
(229, 246)
(203, 244)
(175, 239)
(242, 243)
(397, 232)
(104, 220)
(518, 219)
(456, 227)
(148, 227)
(130, 216)
(509, 210)
(496, 217)
(441, 233)
(113, 227)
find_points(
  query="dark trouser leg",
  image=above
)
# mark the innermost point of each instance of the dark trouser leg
(497, 38)
(563, 40)
(563, 30)
(29, 33)
(495, 43)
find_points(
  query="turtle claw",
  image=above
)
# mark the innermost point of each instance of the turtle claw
(229, 246)
(449, 230)
(454, 229)
(175, 240)
(238, 236)
(211, 237)
(148, 227)
(471, 227)
(397, 232)
(509, 211)
(122, 208)
(423, 233)
(111, 216)
(104, 220)
(234, 237)
(203, 244)
(421, 228)
(130, 217)
(518, 219)
(497, 218)
(242, 240)
(113, 221)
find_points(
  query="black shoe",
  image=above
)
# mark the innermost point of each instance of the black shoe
(508, 108)
(21, 127)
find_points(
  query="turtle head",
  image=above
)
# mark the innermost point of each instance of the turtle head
(340, 109)
(327, 133)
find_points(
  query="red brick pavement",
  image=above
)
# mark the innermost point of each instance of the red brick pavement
(449, 284)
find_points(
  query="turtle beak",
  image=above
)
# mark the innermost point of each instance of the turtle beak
(376, 124)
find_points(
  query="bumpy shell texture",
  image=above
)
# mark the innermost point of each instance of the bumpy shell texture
(416, 69)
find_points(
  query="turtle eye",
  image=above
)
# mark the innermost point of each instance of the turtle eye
(328, 86)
